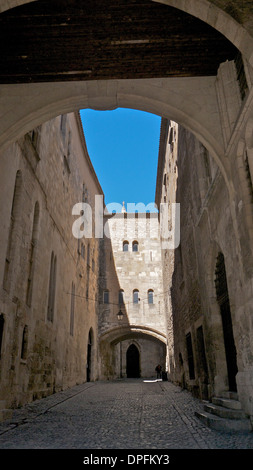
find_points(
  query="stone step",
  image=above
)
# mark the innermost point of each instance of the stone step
(223, 412)
(5, 414)
(230, 395)
(227, 403)
(222, 424)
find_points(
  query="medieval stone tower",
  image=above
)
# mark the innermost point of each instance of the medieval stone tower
(132, 326)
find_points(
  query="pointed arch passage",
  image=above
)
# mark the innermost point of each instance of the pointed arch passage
(133, 362)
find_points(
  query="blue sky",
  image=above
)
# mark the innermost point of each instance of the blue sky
(123, 146)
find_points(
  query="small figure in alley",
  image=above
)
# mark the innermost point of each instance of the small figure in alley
(158, 371)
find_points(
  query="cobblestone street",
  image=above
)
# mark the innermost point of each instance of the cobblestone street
(127, 414)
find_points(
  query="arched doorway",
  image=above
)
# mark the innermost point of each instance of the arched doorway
(223, 301)
(89, 356)
(133, 362)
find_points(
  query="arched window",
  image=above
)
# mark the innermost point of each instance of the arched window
(33, 250)
(125, 246)
(106, 296)
(121, 297)
(135, 296)
(51, 289)
(89, 355)
(135, 246)
(150, 296)
(88, 255)
(24, 343)
(72, 308)
(15, 214)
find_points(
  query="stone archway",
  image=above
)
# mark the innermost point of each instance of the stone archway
(188, 101)
(114, 348)
(224, 18)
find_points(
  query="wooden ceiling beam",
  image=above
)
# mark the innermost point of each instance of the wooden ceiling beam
(50, 40)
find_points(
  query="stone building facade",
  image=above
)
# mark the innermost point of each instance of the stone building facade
(49, 279)
(131, 287)
(209, 276)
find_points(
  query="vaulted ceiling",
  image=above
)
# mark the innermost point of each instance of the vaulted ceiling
(59, 40)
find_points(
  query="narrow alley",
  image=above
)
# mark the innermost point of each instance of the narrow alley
(123, 414)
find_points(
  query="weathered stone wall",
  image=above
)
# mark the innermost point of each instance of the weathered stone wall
(40, 356)
(208, 227)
